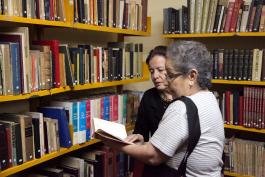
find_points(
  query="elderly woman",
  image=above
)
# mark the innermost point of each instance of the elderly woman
(189, 74)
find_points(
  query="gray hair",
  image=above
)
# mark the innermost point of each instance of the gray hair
(187, 55)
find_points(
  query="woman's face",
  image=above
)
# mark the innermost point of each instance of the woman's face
(178, 83)
(157, 68)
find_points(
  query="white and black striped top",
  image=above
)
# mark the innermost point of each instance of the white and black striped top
(172, 133)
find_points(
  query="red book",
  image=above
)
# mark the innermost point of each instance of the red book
(52, 9)
(115, 108)
(235, 15)
(88, 118)
(227, 106)
(54, 46)
(230, 8)
(241, 110)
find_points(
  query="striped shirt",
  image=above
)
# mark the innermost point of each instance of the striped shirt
(172, 134)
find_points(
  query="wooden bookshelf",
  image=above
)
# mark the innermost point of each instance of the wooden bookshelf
(235, 82)
(241, 128)
(115, 30)
(53, 155)
(227, 173)
(24, 20)
(214, 35)
(45, 158)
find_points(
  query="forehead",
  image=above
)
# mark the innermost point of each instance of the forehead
(157, 61)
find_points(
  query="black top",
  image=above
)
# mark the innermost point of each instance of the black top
(150, 112)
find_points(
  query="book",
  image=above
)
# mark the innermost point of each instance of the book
(110, 130)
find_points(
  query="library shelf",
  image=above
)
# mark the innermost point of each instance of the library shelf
(213, 35)
(241, 128)
(34, 94)
(235, 82)
(115, 30)
(53, 155)
(15, 19)
(227, 173)
(108, 84)
(114, 83)
(45, 158)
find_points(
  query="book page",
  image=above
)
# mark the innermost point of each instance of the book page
(110, 130)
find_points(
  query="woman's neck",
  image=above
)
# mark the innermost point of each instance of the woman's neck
(166, 96)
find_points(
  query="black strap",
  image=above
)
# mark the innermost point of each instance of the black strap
(194, 131)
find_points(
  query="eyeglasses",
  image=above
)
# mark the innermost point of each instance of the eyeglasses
(171, 76)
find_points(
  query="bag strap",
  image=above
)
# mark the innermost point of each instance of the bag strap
(194, 131)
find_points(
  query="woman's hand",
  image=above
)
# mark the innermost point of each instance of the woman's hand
(135, 138)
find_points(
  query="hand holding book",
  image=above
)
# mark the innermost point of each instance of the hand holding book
(110, 131)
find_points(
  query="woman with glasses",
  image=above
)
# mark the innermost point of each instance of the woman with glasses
(188, 67)
(154, 101)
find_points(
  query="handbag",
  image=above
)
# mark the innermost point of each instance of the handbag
(194, 135)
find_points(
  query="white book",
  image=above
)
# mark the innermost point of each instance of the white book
(110, 130)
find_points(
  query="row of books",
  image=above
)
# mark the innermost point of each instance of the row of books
(238, 64)
(244, 157)
(40, 9)
(50, 64)
(215, 16)
(103, 162)
(31, 135)
(245, 109)
(127, 14)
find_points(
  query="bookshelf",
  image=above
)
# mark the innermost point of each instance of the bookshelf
(215, 35)
(75, 88)
(68, 23)
(230, 37)
(227, 173)
(53, 155)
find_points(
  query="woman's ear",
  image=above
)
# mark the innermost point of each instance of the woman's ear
(193, 76)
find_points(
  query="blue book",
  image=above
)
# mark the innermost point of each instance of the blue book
(15, 63)
(59, 113)
(106, 115)
(75, 122)
(82, 121)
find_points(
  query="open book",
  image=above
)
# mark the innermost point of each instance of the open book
(110, 130)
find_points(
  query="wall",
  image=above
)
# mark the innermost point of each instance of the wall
(155, 11)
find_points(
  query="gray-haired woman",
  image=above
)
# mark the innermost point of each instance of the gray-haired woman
(189, 74)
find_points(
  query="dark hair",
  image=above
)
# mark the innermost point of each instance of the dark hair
(187, 55)
(160, 50)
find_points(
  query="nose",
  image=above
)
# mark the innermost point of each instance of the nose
(156, 74)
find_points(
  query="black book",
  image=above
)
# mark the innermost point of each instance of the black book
(81, 11)
(114, 13)
(240, 64)
(100, 12)
(24, 8)
(37, 8)
(74, 172)
(110, 69)
(185, 20)
(73, 55)
(225, 65)
(217, 18)
(245, 64)
(18, 144)
(250, 63)
(47, 9)
(2, 7)
(257, 16)
(51, 172)
(165, 21)
(230, 64)
(36, 130)
(68, 64)
(3, 148)
(90, 55)
(235, 64)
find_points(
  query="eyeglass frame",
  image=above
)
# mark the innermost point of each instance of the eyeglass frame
(171, 77)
